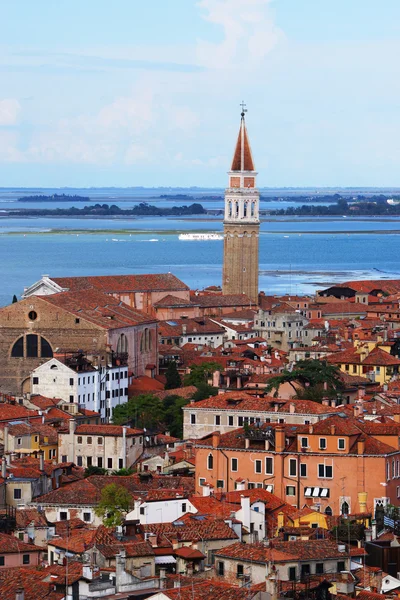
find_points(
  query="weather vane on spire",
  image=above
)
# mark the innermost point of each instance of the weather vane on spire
(244, 109)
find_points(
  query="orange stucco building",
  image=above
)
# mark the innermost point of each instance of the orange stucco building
(338, 465)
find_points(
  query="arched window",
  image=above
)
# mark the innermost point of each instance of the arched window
(46, 351)
(237, 209)
(122, 345)
(245, 209)
(210, 462)
(18, 348)
(31, 346)
(229, 209)
(328, 511)
(345, 508)
(146, 341)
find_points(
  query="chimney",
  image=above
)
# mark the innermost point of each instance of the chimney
(361, 445)
(333, 429)
(362, 501)
(19, 594)
(215, 438)
(279, 438)
(245, 506)
(72, 426)
(292, 407)
(184, 329)
(124, 428)
(120, 570)
(5, 439)
(215, 377)
(325, 401)
(163, 578)
(357, 409)
(310, 428)
(3, 467)
(41, 461)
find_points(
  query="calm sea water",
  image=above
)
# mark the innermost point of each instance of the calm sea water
(289, 262)
(296, 255)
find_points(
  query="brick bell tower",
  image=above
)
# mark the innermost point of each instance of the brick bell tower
(241, 221)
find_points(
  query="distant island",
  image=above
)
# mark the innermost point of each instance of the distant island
(374, 206)
(106, 210)
(54, 198)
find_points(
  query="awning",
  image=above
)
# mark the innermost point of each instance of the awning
(165, 560)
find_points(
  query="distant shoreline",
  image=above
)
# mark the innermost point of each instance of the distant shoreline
(168, 232)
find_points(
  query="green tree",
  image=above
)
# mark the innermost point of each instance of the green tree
(114, 505)
(92, 470)
(172, 376)
(311, 375)
(123, 472)
(204, 391)
(200, 373)
(144, 411)
(174, 414)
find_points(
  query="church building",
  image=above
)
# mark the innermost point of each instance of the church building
(241, 222)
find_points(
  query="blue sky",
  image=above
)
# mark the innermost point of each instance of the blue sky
(132, 93)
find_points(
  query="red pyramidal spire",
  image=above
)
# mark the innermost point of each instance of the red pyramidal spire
(242, 158)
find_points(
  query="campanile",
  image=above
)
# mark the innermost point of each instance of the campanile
(241, 222)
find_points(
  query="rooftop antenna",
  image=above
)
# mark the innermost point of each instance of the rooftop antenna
(243, 107)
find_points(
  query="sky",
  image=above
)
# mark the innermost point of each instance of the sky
(147, 93)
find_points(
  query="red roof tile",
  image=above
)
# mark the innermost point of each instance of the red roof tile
(98, 308)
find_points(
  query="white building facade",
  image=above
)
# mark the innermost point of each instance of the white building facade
(98, 389)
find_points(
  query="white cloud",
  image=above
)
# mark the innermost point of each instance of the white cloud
(249, 33)
(9, 111)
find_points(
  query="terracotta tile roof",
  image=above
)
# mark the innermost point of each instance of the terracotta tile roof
(243, 401)
(200, 325)
(242, 149)
(192, 528)
(64, 527)
(88, 491)
(31, 580)
(379, 357)
(189, 553)
(280, 551)
(42, 402)
(112, 430)
(11, 412)
(390, 286)
(123, 283)
(246, 314)
(183, 392)
(271, 501)
(171, 300)
(209, 505)
(143, 384)
(216, 300)
(25, 516)
(10, 545)
(98, 308)
(204, 589)
(343, 308)
(81, 540)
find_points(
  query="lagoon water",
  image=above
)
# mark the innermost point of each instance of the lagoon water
(296, 255)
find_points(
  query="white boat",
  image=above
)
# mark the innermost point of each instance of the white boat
(200, 236)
